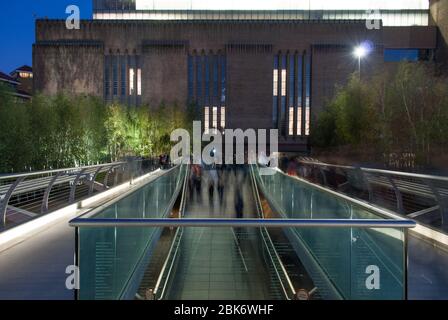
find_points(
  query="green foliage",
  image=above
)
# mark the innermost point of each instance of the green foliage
(397, 110)
(64, 131)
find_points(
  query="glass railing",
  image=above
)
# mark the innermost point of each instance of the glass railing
(339, 258)
(327, 247)
(111, 260)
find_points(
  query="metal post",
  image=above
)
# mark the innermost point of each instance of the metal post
(92, 182)
(398, 195)
(441, 201)
(75, 182)
(365, 181)
(5, 199)
(44, 207)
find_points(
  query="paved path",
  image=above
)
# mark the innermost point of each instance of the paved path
(35, 268)
(428, 271)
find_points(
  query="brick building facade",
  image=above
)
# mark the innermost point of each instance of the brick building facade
(250, 73)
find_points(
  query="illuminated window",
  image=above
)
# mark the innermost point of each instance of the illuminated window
(291, 121)
(131, 81)
(308, 96)
(25, 75)
(223, 117)
(299, 121)
(139, 82)
(206, 119)
(275, 92)
(307, 121)
(215, 117)
(275, 82)
(283, 82)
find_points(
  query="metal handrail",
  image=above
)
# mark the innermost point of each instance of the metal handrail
(271, 243)
(47, 180)
(165, 265)
(381, 171)
(380, 211)
(179, 233)
(36, 173)
(426, 185)
(239, 223)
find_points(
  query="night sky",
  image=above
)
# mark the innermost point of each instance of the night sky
(17, 26)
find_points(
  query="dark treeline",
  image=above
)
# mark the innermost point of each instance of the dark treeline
(65, 130)
(403, 110)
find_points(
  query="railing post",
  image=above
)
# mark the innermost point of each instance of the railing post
(92, 182)
(440, 199)
(398, 195)
(5, 199)
(324, 176)
(106, 178)
(365, 181)
(44, 207)
(73, 188)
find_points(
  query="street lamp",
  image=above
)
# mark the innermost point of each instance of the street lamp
(360, 52)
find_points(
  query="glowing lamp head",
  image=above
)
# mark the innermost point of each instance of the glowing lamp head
(360, 52)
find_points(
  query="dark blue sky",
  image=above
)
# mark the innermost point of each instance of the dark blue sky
(17, 26)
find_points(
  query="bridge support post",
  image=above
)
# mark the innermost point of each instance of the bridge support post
(4, 201)
(44, 207)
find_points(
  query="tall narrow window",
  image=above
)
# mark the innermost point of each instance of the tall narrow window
(275, 82)
(215, 117)
(115, 75)
(223, 79)
(283, 82)
(223, 117)
(131, 81)
(206, 119)
(199, 79)
(291, 91)
(308, 96)
(283, 90)
(299, 121)
(275, 93)
(190, 78)
(107, 76)
(291, 121)
(139, 82)
(299, 94)
(215, 78)
(123, 75)
(207, 79)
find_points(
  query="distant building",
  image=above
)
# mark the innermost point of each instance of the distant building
(14, 85)
(24, 75)
(270, 64)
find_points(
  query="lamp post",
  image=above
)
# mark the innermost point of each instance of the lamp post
(360, 52)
